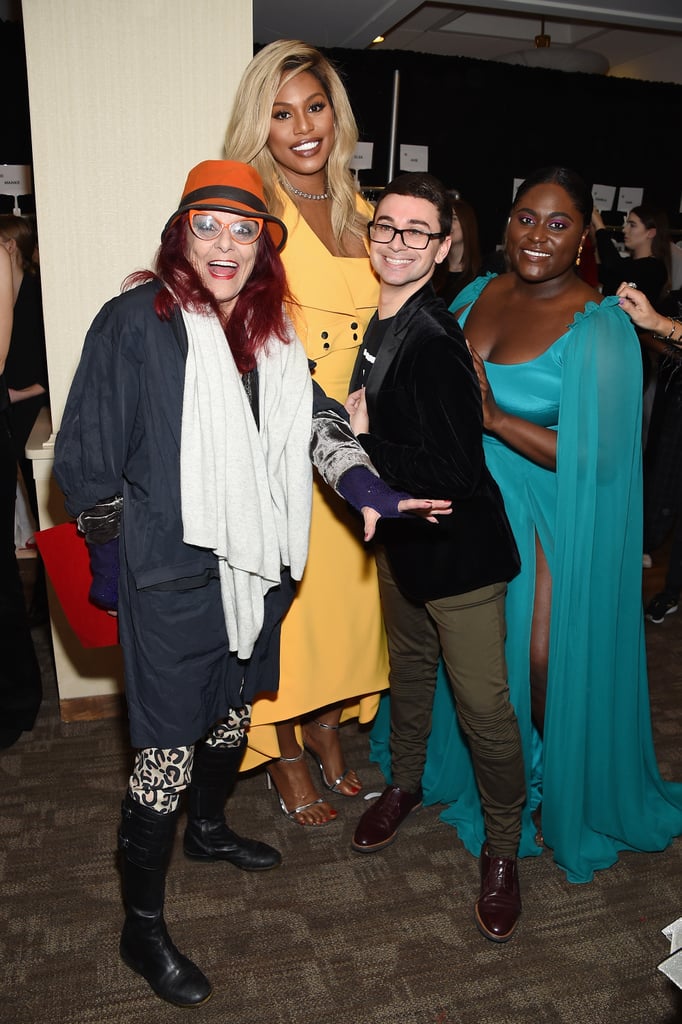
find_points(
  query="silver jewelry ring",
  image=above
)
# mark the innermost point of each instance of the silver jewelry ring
(632, 284)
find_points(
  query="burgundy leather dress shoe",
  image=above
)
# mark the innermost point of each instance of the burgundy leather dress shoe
(379, 824)
(498, 907)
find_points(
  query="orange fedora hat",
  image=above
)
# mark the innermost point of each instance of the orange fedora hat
(232, 187)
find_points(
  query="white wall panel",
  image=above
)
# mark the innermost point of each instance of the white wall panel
(125, 97)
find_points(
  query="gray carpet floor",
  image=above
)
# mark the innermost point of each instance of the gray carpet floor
(329, 936)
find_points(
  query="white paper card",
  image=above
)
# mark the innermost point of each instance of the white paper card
(629, 197)
(414, 158)
(674, 933)
(362, 157)
(603, 196)
(672, 965)
(672, 968)
(15, 179)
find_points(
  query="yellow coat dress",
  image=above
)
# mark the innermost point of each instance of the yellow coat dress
(333, 643)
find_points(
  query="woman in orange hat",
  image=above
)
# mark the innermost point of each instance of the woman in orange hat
(292, 120)
(184, 451)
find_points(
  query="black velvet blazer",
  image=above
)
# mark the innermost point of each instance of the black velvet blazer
(426, 426)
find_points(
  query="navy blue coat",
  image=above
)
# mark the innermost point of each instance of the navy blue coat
(120, 434)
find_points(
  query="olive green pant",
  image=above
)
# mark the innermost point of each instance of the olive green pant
(469, 631)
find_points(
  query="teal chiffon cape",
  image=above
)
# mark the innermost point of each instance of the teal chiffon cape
(595, 771)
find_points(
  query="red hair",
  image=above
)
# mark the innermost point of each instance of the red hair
(258, 313)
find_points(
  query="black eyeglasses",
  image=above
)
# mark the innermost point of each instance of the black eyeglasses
(412, 238)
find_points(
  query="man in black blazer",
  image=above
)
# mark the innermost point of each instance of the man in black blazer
(415, 405)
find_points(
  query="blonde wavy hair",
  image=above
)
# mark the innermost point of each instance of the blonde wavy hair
(247, 133)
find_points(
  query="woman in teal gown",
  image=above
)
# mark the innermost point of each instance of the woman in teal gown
(592, 765)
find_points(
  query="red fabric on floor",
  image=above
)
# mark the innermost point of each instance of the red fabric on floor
(67, 563)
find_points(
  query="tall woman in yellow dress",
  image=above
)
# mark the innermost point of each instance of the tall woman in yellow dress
(292, 120)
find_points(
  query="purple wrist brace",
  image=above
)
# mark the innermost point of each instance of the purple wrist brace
(360, 487)
(104, 565)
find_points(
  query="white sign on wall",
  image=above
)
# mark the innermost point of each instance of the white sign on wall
(603, 196)
(15, 181)
(362, 157)
(414, 158)
(629, 197)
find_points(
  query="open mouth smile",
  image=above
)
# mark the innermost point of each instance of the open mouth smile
(223, 268)
(305, 148)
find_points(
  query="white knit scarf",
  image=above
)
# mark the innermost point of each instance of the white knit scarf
(245, 494)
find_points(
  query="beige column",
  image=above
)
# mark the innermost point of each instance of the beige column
(125, 97)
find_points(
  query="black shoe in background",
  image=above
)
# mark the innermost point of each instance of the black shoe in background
(661, 605)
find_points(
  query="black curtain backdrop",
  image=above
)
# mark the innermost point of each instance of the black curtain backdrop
(15, 134)
(487, 123)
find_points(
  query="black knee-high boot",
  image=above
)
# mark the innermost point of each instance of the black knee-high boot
(207, 837)
(145, 841)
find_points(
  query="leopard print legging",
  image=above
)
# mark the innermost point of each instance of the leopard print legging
(160, 774)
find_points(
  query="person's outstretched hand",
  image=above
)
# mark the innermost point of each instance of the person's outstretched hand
(427, 508)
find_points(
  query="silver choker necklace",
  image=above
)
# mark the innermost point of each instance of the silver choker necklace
(303, 195)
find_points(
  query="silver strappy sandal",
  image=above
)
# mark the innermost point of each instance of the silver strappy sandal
(291, 815)
(333, 787)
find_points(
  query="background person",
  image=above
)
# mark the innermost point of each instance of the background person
(26, 364)
(646, 237)
(463, 262)
(663, 467)
(20, 681)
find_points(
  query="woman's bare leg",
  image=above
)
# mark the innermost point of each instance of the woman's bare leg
(539, 638)
(539, 656)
